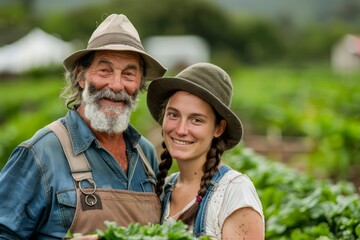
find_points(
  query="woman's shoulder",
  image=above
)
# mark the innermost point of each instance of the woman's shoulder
(234, 177)
(235, 184)
(236, 191)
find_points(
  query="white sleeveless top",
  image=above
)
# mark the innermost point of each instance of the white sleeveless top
(234, 191)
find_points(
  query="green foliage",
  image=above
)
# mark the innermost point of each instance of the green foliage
(25, 107)
(315, 42)
(135, 231)
(313, 103)
(316, 104)
(251, 40)
(243, 37)
(296, 206)
(176, 231)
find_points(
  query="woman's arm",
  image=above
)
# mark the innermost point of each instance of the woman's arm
(244, 223)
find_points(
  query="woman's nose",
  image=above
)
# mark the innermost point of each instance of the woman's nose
(181, 128)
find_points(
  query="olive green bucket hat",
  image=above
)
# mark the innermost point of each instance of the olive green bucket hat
(117, 33)
(207, 81)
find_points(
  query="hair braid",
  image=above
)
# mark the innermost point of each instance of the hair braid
(210, 167)
(164, 166)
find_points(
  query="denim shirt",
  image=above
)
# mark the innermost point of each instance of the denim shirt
(37, 190)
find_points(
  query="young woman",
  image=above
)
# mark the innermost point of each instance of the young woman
(198, 125)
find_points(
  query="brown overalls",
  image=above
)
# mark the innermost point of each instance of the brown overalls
(94, 205)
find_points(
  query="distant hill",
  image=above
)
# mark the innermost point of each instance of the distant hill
(44, 5)
(297, 12)
(301, 13)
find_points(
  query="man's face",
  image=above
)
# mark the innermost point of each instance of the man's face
(111, 87)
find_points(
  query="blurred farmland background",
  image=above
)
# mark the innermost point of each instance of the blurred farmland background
(295, 67)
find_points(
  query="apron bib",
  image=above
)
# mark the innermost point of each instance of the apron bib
(123, 207)
(94, 206)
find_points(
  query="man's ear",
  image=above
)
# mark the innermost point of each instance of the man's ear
(82, 83)
(82, 80)
(220, 128)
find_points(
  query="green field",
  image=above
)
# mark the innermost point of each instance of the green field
(314, 104)
(311, 103)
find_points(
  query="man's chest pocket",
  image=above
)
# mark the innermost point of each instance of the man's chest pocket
(67, 205)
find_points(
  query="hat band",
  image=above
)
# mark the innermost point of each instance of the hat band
(115, 38)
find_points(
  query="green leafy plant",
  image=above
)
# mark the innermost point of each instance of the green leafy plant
(296, 206)
(136, 231)
(314, 105)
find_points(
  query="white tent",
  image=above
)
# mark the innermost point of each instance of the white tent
(36, 49)
(178, 51)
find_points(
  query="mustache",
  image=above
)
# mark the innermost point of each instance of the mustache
(111, 95)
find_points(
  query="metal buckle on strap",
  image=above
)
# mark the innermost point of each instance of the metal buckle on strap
(89, 192)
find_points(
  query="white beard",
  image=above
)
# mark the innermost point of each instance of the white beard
(116, 122)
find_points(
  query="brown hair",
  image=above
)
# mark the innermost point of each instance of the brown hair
(213, 159)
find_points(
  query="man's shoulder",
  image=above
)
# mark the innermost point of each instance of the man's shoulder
(43, 137)
(144, 142)
(36, 138)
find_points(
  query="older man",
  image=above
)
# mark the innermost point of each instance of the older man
(90, 165)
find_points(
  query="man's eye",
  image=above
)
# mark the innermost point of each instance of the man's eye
(105, 70)
(129, 73)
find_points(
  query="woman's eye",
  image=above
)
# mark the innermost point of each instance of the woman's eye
(171, 115)
(197, 120)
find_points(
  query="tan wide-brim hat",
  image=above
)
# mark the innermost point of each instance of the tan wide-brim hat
(207, 81)
(117, 33)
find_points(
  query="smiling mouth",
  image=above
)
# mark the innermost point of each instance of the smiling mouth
(108, 101)
(182, 142)
(114, 100)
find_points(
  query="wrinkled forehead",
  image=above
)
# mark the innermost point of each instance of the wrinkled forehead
(118, 55)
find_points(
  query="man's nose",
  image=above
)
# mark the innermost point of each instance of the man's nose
(117, 83)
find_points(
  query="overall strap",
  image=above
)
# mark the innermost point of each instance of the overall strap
(80, 168)
(149, 170)
(199, 224)
(168, 188)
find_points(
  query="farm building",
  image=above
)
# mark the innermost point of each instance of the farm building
(345, 56)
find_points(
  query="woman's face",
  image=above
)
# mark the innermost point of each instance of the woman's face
(189, 127)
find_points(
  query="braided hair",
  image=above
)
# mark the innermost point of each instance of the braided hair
(213, 159)
(164, 166)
